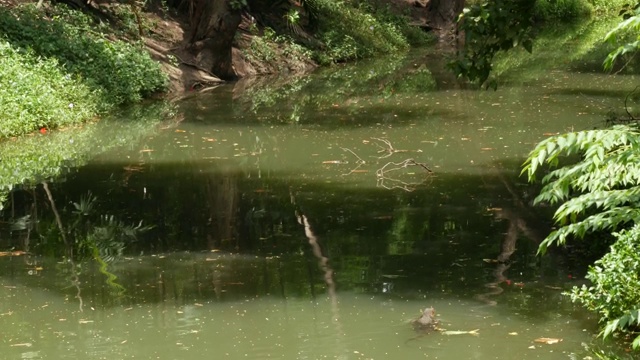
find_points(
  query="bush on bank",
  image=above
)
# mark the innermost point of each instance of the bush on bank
(615, 281)
(571, 10)
(57, 69)
(351, 32)
(36, 93)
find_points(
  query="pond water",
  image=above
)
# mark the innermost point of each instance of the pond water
(310, 218)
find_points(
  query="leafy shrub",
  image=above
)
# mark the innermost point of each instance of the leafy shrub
(491, 27)
(561, 10)
(121, 72)
(628, 33)
(615, 294)
(35, 93)
(351, 33)
(599, 192)
(608, 6)
(415, 35)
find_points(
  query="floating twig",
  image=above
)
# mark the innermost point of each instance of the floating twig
(382, 175)
(360, 162)
(389, 149)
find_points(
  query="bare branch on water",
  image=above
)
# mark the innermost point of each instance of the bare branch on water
(388, 148)
(388, 182)
(360, 162)
(383, 174)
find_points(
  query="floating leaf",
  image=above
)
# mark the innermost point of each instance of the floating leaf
(548, 341)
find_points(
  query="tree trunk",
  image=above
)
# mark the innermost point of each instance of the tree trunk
(213, 27)
(443, 16)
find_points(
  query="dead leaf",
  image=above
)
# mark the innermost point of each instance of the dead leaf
(12, 253)
(548, 341)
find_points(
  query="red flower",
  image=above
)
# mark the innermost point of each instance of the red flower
(43, 130)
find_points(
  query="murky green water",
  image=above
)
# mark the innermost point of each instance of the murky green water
(306, 220)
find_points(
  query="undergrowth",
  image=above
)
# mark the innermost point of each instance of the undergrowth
(351, 33)
(571, 10)
(59, 67)
(36, 93)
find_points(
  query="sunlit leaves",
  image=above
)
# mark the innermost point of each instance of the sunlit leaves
(629, 320)
(600, 191)
(615, 280)
(120, 72)
(349, 32)
(491, 27)
(631, 25)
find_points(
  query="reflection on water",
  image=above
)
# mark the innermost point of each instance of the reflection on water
(309, 219)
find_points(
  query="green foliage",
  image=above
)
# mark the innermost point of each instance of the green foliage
(119, 72)
(608, 6)
(351, 33)
(491, 27)
(237, 4)
(599, 192)
(615, 282)
(383, 13)
(36, 93)
(576, 46)
(561, 10)
(629, 31)
(267, 47)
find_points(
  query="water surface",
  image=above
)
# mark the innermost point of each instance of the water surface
(309, 218)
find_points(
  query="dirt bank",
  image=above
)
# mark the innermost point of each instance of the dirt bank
(167, 42)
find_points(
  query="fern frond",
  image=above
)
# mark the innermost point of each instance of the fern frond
(605, 220)
(590, 142)
(597, 200)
